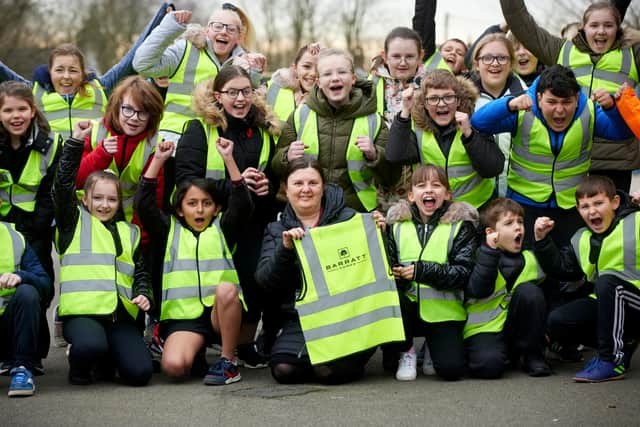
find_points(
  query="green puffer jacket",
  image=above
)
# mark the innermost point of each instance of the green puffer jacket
(334, 129)
(605, 155)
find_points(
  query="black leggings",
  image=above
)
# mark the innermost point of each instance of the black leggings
(100, 341)
(341, 371)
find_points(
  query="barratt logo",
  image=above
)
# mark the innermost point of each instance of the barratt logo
(345, 260)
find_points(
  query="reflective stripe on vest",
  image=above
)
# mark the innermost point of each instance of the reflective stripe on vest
(612, 70)
(466, 184)
(306, 124)
(435, 305)
(350, 302)
(22, 194)
(436, 62)
(13, 247)
(619, 254)
(536, 172)
(92, 278)
(196, 66)
(61, 116)
(281, 99)
(215, 164)
(132, 172)
(193, 267)
(489, 314)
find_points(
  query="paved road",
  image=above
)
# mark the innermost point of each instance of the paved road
(376, 400)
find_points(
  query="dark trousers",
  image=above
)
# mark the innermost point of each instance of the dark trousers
(98, 341)
(574, 323)
(444, 339)
(20, 327)
(488, 354)
(618, 316)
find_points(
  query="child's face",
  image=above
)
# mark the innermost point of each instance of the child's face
(197, 208)
(224, 37)
(402, 58)
(16, 115)
(66, 74)
(102, 200)
(233, 99)
(600, 30)
(441, 104)
(336, 79)
(453, 53)
(526, 63)
(510, 229)
(599, 211)
(428, 196)
(133, 119)
(306, 71)
(494, 74)
(557, 111)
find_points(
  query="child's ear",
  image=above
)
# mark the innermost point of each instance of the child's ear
(448, 196)
(615, 202)
(489, 230)
(411, 197)
(179, 212)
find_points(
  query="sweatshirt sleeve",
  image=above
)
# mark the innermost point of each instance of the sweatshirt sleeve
(158, 55)
(424, 24)
(486, 157)
(495, 117)
(561, 263)
(92, 160)
(402, 146)
(31, 272)
(482, 280)
(610, 125)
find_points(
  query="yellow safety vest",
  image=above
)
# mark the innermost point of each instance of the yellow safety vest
(194, 265)
(215, 163)
(92, 277)
(435, 305)
(466, 184)
(13, 247)
(489, 314)
(196, 66)
(614, 68)
(22, 194)
(281, 99)
(536, 172)
(619, 255)
(306, 125)
(61, 116)
(132, 172)
(350, 302)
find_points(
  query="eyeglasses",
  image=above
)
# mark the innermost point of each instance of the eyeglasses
(233, 93)
(488, 59)
(219, 26)
(435, 100)
(128, 111)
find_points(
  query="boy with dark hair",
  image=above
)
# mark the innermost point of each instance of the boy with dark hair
(506, 307)
(606, 252)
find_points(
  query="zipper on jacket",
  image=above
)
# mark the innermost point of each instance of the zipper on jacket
(70, 120)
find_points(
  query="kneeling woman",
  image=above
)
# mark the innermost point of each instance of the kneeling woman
(311, 203)
(200, 297)
(99, 303)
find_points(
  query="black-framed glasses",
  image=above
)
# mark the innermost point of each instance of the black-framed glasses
(233, 93)
(435, 100)
(488, 59)
(219, 26)
(128, 111)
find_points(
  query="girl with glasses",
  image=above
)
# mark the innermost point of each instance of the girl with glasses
(227, 109)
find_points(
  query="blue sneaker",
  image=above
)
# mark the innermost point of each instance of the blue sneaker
(598, 370)
(222, 372)
(22, 383)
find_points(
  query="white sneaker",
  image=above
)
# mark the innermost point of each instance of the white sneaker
(407, 366)
(427, 363)
(58, 337)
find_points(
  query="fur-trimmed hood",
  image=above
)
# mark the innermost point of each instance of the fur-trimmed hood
(450, 212)
(467, 94)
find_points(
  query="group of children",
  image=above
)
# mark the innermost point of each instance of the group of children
(160, 200)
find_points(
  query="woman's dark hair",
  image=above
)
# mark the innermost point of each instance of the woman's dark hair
(303, 162)
(207, 185)
(16, 89)
(402, 33)
(229, 73)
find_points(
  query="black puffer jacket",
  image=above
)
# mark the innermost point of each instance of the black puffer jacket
(454, 274)
(67, 215)
(488, 263)
(278, 269)
(563, 262)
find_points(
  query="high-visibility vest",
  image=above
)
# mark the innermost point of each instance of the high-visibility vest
(281, 99)
(13, 247)
(489, 314)
(350, 302)
(61, 116)
(434, 305)
(194, 265)
(132, 172)
(466, 184)
(436, 62)
(92, 277)
(614, 68)
(196, 66)
(306, 124)
(619, 255)
(537, 172)
(215, 163)
(22, 194)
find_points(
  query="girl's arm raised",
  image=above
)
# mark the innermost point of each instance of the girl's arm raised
(153, 219)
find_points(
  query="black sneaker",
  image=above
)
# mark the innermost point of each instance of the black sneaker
(251, 357)
(628, 349)
(564, 353)
(536, 367)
